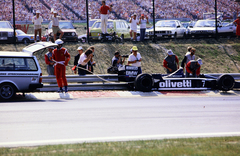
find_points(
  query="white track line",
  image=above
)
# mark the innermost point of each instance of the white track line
(116, 138)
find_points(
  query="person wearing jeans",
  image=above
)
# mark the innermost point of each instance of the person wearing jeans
(143, 25)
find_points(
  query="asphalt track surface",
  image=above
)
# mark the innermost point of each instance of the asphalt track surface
(79, 117)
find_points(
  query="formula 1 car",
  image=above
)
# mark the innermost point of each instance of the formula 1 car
(174, 81)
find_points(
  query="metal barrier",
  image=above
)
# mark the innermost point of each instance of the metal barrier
(93, 82)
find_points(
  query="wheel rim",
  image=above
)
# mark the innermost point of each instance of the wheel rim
(6, 91)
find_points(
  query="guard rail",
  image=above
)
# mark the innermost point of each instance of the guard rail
(98, 82)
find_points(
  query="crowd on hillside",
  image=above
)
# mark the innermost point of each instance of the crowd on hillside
(76, 9)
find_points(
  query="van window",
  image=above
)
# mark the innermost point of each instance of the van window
(17, 64)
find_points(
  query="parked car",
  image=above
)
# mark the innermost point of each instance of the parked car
(83, 38)
(207, 28)
(168, 29)
(20, 71)
(119, 26)
(6, 31)
(26, 38)
(68, 29)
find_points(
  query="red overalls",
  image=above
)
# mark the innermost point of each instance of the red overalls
(61, 57)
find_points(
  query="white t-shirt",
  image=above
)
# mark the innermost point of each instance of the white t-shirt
(143, 24)
(55, 20)
(83, 57)
(133, 58)
(134, 24)
(37, 21)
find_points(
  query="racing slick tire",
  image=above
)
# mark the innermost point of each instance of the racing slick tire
(225, 82)
(143, 82)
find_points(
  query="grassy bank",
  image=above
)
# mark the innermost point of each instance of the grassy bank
(223, 146)
(222, 56)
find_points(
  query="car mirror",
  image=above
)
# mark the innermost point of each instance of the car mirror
(128, 27)
(46, 28)
(75, 27)
(190, 26)
(220, 26)
(178, 26)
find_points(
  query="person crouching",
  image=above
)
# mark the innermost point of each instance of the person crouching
(193, 67)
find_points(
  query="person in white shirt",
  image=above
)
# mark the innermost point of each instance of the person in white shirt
(83, 61)
(134, 22)
(55, 25)
(135, 59)
(37, 21)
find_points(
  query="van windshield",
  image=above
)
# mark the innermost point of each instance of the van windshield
(17, 64)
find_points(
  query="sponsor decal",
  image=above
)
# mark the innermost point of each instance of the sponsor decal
(176, 84)
(131, 73)
(131, 68)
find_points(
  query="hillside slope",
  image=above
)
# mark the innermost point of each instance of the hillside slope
(222, 56)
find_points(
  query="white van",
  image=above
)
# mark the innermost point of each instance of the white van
(20, 71)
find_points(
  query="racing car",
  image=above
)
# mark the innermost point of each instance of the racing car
(175, 81)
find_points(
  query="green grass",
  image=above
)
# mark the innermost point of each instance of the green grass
(222, 146)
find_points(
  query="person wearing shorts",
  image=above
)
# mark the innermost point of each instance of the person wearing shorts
(134, 22)
(55, 26)
(37, 21)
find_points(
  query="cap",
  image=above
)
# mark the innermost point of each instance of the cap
(59, 41)
(134, 14)
(134, 48)
(55, 12)
(170, 52)
(80, 48)
(38, 12)
(142, 14)
(200, 61)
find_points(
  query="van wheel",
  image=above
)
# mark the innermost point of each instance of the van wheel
(7, 91)
(225, 82)
(143, 82)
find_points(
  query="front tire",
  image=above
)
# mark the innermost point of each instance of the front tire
(7, 91)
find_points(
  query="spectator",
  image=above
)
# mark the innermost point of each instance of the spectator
(104, 16)
(61, 57)
(37, 21)
(83, 61)
(237, 23)
(49, 62)
(117, 60)
(143, 25)
(134, 22)
(193, 67)
(171, 62)
(135, 59)
(188, 57)
(55, 25)
(76, 58)
(91, 63)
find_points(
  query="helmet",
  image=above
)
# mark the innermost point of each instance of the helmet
(59, 41)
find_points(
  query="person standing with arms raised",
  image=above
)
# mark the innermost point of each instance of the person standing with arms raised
(104, 16)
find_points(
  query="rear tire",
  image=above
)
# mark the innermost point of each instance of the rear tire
(225, 82)
(7, 91)
(143, 82)
(26, 41)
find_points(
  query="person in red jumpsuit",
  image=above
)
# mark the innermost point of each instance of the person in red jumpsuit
(237, 23)
(61, 58)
